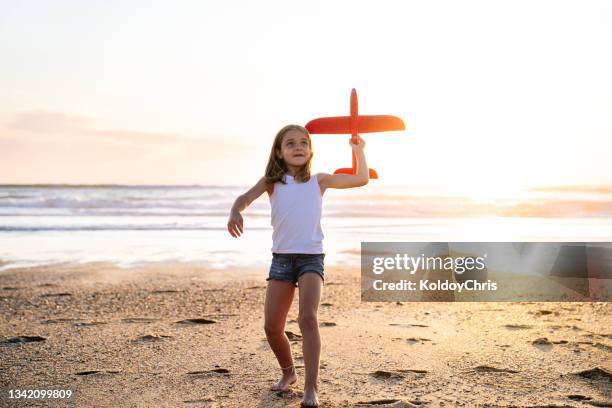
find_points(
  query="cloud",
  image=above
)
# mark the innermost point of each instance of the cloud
(46, 146)
(48, 123)
(46, 126)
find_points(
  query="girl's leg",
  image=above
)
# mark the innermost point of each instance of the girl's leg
(309, 285)
(279, 296)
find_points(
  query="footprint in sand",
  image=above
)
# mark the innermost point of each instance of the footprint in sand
(413, 370)
(150, 338)
(224, 372)
(88, 324)
(286, 395)
(589, 400)
(543, 344)
(387, 375)
(56, 294)
(596, 403)
(167, 291)
(414, 340)
(544, 313)
(578, 397)
(596, 373)
(201, 401)
(603, 347)
(60, 320)
(543, 341)
(557, 327)
(490, 369)
(21, 340)
(196, 321)
(292, 336)
(591, 335)
(97, 372)
(395, 403)
(517, 326)
(69, 320)
(138, 320)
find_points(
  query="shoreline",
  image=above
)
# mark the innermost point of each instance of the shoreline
(176, 334)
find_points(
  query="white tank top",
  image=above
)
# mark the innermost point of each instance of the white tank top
(296, 217)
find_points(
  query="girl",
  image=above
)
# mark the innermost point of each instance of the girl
(297, 250)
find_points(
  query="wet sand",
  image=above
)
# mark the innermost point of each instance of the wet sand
(182, 335)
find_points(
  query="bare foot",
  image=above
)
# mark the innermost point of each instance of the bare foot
(310, 397)
(289, 377)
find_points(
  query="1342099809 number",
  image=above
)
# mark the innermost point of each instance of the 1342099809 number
(43, 393)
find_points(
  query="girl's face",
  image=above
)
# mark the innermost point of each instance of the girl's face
(295, 149)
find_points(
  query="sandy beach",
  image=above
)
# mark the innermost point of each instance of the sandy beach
(183, 335)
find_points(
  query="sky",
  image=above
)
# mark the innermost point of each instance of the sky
(500, 94)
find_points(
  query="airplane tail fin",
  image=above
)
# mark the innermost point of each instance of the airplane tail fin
(348, 170)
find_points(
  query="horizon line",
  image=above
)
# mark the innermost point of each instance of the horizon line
(571, 187)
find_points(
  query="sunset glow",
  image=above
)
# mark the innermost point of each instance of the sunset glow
(172, 95)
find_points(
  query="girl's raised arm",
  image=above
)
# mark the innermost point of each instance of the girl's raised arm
(361, 176)
(235, 222)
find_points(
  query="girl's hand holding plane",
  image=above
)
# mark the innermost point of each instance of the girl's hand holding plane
(359, 145)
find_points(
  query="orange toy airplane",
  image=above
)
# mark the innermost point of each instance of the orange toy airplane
(354, 125)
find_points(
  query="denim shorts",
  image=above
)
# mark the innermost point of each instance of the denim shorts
(289, 267)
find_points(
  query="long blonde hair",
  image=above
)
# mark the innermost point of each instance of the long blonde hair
(277, 168)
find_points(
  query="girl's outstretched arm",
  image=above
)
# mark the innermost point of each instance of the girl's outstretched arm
(361, 176)
(235, 223)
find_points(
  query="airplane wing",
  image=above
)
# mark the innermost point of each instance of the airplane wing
(365, 124)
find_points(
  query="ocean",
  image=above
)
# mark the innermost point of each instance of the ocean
(129, 225)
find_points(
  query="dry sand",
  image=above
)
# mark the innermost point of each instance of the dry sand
(112, 335)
